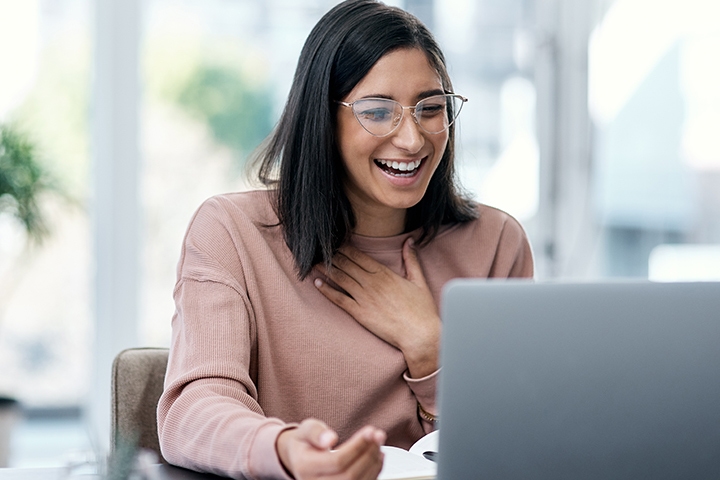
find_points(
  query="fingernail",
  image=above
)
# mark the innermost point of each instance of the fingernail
(318, 283)
(411, 242)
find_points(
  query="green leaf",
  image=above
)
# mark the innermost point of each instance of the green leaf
(22, 181)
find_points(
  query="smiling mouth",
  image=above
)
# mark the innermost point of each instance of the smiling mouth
(399, 169)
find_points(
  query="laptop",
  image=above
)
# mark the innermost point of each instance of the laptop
(579, 381)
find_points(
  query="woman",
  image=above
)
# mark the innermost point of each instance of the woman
(307, 314)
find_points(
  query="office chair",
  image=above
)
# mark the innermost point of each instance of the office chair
(137, 383)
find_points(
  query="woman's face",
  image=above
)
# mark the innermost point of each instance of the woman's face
(374, 188)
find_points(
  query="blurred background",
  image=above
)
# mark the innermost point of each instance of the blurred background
(596, 123)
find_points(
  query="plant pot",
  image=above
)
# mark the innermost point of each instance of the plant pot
(9, 416)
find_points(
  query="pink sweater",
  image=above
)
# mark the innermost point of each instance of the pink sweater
(255, 350)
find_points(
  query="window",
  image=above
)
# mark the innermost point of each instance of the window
(45, 316)
(654, 99)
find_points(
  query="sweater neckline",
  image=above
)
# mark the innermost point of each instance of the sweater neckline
(382, 244)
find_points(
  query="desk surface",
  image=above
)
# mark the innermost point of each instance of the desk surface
(40, 474)
(157, 472)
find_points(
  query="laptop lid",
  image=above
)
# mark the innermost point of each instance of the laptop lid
(595, 380)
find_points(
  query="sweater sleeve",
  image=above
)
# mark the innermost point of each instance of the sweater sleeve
(209, 418)
(513, 254)
(503, 242)
(424, 390)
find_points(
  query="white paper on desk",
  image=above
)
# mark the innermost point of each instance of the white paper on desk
(402, 464)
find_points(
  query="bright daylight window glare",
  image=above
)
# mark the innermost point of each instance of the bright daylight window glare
(45, 313)
(214, 77)
(654, 99)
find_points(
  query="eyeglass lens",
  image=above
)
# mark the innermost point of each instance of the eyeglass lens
(381, 116)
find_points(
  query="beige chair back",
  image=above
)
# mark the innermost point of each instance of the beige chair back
(137, 383)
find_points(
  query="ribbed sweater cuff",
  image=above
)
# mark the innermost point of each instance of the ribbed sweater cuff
(263, 460)
(424, 389)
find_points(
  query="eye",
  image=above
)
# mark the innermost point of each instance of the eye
(429, 110)
(375, 110)
(376, 114)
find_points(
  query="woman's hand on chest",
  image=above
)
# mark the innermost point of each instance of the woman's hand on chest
(400, 310)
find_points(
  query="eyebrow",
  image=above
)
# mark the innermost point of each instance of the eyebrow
(430, 93)
(420, 96)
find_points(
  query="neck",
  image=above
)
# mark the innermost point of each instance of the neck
(377, 224)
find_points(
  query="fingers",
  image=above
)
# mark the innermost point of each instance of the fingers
(352, 269)
(305, 452)
(317, 434)
(398, 309)
(357, 257)
(346, 275)
(367, 466)
(350, 259)
(340, 299)
(360, 455)
(345, 272)
(298, 447)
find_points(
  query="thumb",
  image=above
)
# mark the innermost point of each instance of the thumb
(413, 269)
(317, 434)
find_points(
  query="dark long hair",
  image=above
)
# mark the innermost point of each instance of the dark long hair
(301, 158)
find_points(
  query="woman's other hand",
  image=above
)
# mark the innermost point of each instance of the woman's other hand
(399, 310)
(305, 452)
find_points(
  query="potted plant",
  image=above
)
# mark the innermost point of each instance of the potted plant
(22, 181)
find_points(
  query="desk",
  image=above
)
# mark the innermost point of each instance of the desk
(40, 474)
(156, 472)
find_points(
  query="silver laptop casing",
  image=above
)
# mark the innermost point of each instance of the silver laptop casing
(579, 381)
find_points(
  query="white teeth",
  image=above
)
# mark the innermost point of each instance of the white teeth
(401, 166)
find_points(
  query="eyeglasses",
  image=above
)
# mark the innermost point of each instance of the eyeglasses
(381, 116)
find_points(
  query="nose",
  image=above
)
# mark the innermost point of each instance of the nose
(408, 136)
